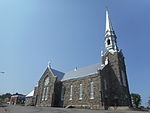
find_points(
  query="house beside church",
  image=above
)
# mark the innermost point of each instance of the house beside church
(17, 99)
(97, 86)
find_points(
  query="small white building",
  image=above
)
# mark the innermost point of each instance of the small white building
(29, 100)
(17, 99)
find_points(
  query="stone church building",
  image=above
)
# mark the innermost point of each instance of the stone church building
(96, 86)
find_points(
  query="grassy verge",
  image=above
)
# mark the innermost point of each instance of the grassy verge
(1, 102)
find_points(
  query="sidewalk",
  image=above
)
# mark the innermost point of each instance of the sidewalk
(2, 110)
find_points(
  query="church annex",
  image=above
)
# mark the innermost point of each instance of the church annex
(96, 86)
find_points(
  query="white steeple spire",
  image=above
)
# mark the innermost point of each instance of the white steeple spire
(110, 37)
(108, 22)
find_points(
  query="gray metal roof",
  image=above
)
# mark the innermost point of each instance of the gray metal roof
(82, 72)
(58, 74)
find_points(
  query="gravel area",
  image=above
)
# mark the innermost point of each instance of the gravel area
(32, 109)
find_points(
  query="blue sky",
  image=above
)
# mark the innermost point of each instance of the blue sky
(70, 34)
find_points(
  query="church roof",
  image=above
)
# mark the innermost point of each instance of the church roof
(82, 72)
(58, 74)
(77, 73)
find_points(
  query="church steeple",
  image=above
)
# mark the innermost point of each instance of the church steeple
(114, 59)
(108, 22)
(110, 37)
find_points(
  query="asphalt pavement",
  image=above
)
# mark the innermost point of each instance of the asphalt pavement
(32, 109)
(2, 110)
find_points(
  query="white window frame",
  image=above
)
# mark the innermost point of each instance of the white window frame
(71, 87)
(81, 92)
(45, 89)
(91, 90)
(46, 95)
(43, 95)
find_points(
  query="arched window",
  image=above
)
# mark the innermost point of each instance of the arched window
(45, 89)
(62, 93)
(71, 92)
(81, 93)
(108, 42)
(105, 84)
(123, 78)
(92, 90)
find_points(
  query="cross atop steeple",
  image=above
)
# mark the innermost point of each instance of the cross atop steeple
(49, 64)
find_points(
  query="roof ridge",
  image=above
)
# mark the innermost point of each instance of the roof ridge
(82, 67)
(82, 72)
(57, 70)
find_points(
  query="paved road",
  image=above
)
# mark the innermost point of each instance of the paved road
(29, 109)
(2, 110)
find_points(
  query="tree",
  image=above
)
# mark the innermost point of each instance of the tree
(7, 95)
(148, 103)
(136, 99)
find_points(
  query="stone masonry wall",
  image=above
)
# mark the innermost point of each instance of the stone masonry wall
(118, 93)
(29, 101)
(86, 101)
(51, 93)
